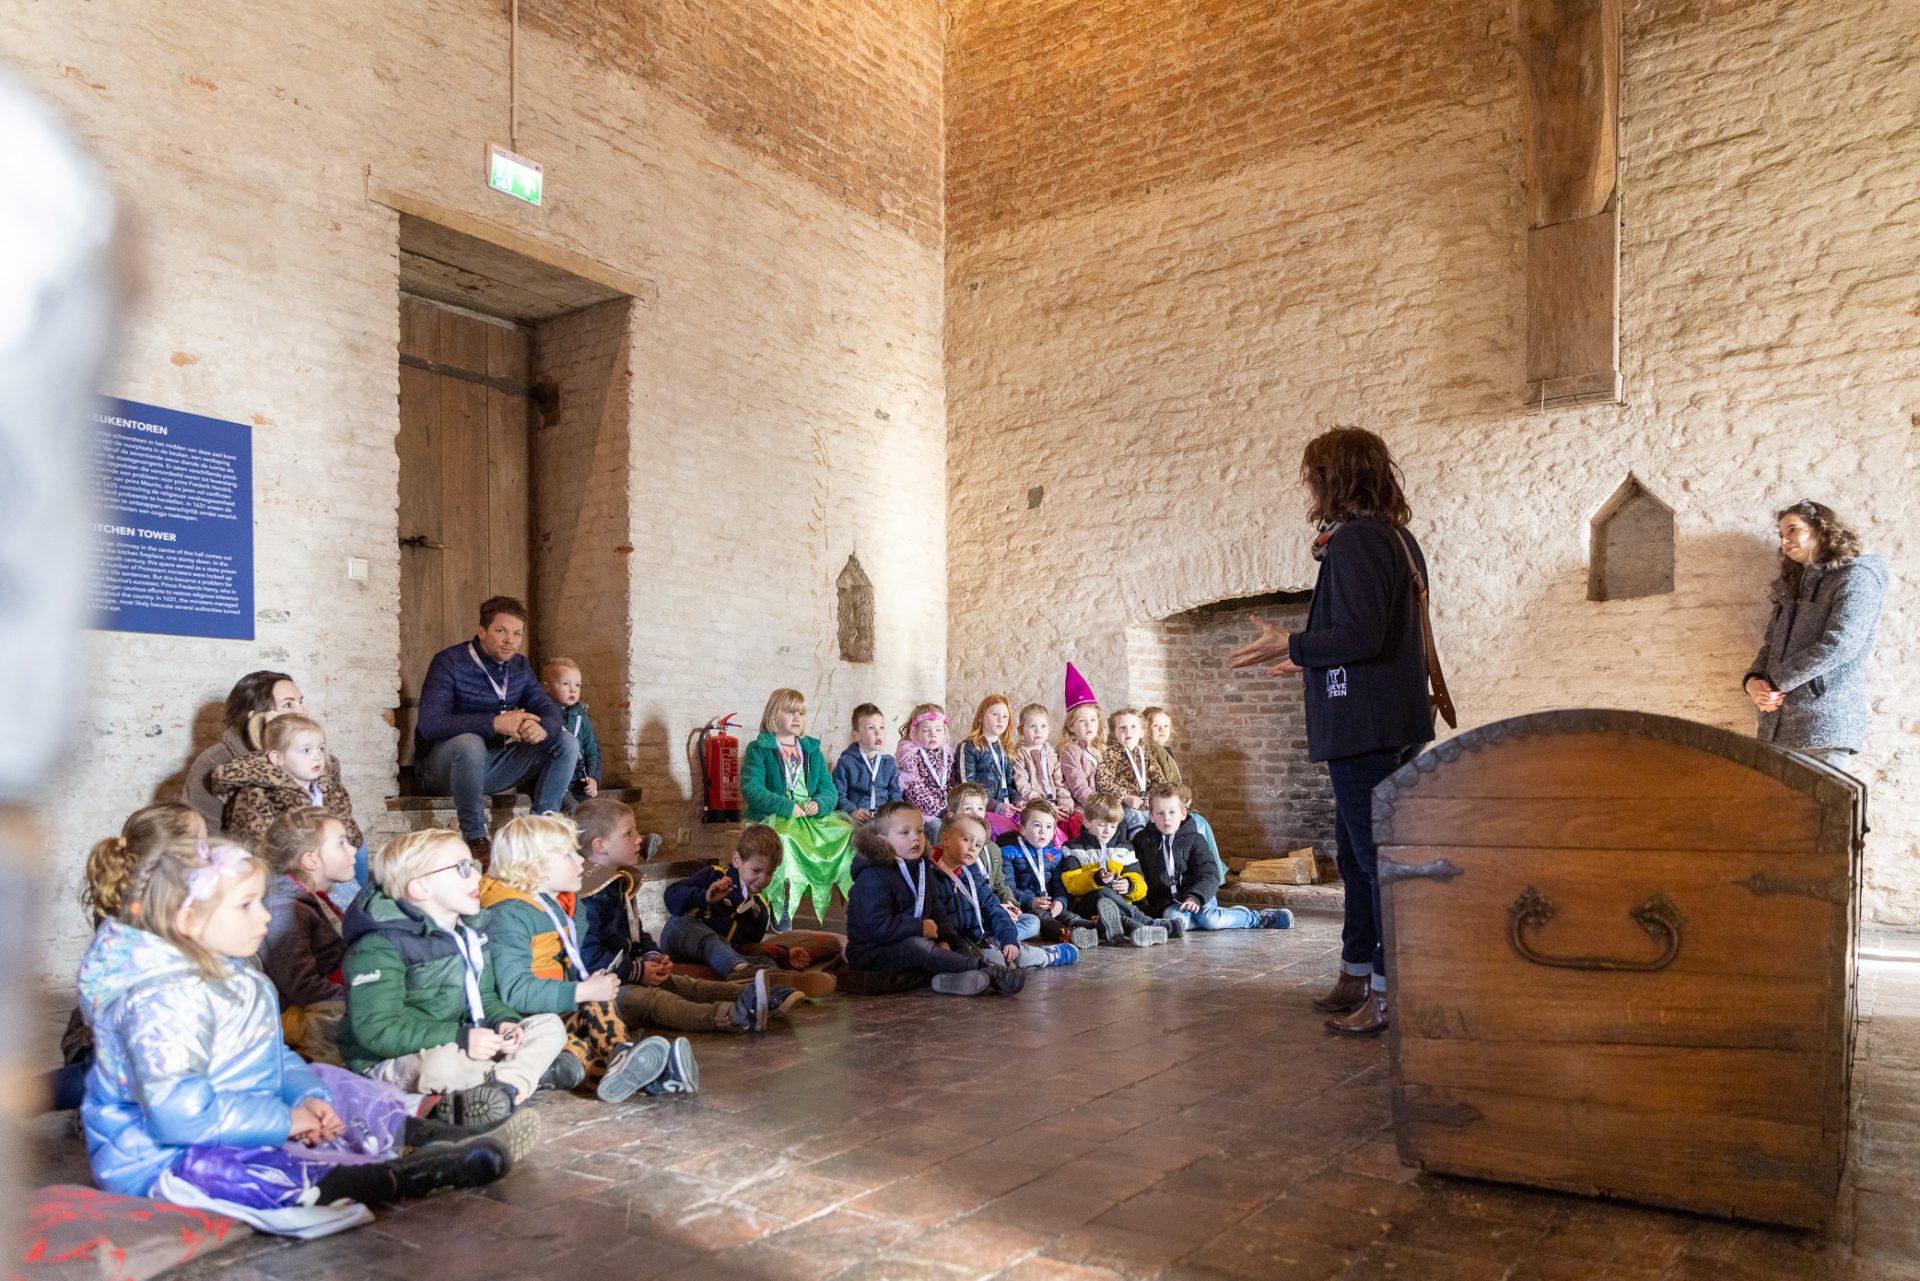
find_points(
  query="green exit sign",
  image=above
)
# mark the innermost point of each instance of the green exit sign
(515, 175)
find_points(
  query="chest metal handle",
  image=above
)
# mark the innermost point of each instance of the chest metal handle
(1657, 916)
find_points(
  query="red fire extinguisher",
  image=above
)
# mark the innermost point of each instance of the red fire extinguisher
(720, 771)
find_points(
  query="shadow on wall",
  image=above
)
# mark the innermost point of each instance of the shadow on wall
(209, 723)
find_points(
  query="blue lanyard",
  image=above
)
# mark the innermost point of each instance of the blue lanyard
(920, 890)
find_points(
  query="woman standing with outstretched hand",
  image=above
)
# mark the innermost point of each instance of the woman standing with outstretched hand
(1364, 660)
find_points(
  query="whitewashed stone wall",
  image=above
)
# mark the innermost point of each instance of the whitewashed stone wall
(1158, 363)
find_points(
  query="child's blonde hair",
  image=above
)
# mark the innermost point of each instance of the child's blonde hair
(1148, 713)
(1099, 725)
(193, 874)
(954, 823)
(978, 734)
(597, 820)
(409, 857)
(292, 837)
(278, 734)
(521, 847)
(913, 720)
(960, 792)
(110, 863)
(781, 700)
(1103, 807)
(1030, 711)
(1113, 721)
(553, 665)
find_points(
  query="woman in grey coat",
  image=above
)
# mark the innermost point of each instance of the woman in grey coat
(1809, 679)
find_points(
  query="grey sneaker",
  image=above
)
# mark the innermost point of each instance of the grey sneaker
(751, 1008)
(1147, 936)
(633, 1067)
(682, 1075)
(1084, 937)
(963, 983)
(1113, 926)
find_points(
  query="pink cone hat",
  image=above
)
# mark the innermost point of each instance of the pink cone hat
(1078, 691)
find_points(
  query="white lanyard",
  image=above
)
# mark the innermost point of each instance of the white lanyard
(1036, 864)
(471, 961)
(314, 794)
(795, 767)
(499, 687)
(937, 775)
(1166, 850)
(873, 779)
(1139, 767)
(973, 896)
(564, 925)
(920, 890)
(999, 758)
(1039, 756)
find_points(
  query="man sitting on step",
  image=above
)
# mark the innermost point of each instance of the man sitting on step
(487, 726)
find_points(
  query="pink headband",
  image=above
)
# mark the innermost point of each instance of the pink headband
(202, 881)
(931, 716)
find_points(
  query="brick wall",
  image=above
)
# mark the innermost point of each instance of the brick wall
(1240, 737)
(1158, 358)
(786, 391)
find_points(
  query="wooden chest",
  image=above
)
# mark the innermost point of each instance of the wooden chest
(1621, 950)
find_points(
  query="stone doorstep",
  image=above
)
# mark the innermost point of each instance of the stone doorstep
(1301, 898)
(420, 813)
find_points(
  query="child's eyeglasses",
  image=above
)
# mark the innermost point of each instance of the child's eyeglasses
(463, 869)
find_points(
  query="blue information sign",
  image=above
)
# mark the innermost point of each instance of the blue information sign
(175, 494)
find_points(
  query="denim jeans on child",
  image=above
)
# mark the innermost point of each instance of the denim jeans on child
(466, 769)
(693, 942)
(915, 954)
(1212, 916)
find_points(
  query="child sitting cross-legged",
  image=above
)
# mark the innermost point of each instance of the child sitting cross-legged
(1033, 874)
(195, 1100)
(971, 920)
(890, 926)
(718, 917)
(613, 937)
(1181, 875)
(307, 853)
(529, 887)
(1102, 878)
(423, 1011)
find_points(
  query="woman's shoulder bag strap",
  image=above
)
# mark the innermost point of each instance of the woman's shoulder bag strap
(1441, 700)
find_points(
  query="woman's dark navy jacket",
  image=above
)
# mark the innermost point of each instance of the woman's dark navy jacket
(1366, 670)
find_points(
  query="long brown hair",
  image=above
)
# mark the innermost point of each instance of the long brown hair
(1349, 472)
(1839, 543)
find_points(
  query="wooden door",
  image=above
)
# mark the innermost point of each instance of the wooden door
(465, 482)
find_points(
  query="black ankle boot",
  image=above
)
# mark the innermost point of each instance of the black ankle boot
(472, 1164)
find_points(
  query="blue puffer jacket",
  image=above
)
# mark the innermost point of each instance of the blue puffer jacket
(1026, 887)
(180, 1061)
(954, 909)
(880, 909)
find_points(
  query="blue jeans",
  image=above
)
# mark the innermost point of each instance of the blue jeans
(1212, 916)
(1026, 925)
(688, 939)
(466, 769)
(911, 954)
(1353, 779)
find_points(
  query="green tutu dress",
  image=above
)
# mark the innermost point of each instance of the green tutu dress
(816, 854)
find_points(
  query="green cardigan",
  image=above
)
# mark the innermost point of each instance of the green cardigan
(763, 780)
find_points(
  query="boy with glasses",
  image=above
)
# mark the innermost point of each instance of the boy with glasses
(423, 1011)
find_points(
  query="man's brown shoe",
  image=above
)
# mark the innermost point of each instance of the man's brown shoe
(1369, 1020)
(1347, 991)
(482, 850)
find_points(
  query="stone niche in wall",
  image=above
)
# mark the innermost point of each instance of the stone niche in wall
(1240, 737)
(1632, 549)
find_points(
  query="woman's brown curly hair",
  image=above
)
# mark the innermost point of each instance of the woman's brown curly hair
(1839, 542)
(1349, 472)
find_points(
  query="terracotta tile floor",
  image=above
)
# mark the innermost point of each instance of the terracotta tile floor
(1173, 1113)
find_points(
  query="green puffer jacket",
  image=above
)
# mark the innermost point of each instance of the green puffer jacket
(406, 986)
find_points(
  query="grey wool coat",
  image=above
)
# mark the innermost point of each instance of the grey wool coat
(1816, 651)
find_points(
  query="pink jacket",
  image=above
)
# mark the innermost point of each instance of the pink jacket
(923, 777)
(1079, 773)
(1036, 773)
